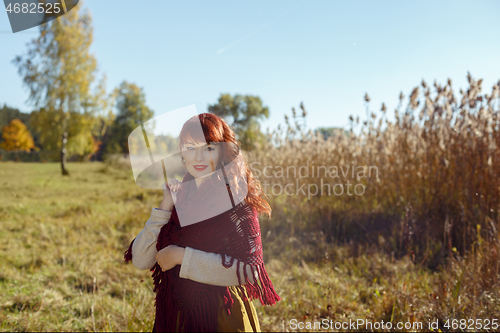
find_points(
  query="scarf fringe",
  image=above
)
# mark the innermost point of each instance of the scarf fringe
(228, 301)
(128, 253)
(264, 292)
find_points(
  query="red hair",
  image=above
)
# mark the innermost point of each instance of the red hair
(215, 129)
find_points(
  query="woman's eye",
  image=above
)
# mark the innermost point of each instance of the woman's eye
(210, 148)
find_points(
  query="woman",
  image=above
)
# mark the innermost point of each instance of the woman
(206, 252)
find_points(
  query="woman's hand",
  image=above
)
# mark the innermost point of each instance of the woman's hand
(170, 190)
(169, 257)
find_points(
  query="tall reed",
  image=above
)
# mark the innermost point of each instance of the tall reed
(431, 176)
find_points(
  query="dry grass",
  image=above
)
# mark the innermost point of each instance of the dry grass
(62, 249)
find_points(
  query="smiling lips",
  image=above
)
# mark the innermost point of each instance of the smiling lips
(200, 167)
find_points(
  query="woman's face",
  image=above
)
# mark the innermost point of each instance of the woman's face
(201, 159)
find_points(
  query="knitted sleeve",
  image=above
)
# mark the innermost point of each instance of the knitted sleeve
(144, 247)
(205, 267)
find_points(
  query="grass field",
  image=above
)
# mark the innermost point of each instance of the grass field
(61, 267)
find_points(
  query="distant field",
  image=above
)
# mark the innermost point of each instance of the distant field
(61, 264)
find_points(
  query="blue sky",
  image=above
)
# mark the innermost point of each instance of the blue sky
(324, 53)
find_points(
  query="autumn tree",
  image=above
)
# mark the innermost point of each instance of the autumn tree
(243, 113)
(59, 70)
(132, 111)
(16, 136)
(79, 128)
(7, 114)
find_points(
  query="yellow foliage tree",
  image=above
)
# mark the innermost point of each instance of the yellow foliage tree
(59, 70)
(17, 137)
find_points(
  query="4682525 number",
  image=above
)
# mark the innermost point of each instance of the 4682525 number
(31, 8)
(471, 324)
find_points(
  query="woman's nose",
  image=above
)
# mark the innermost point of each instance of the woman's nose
(199, 156)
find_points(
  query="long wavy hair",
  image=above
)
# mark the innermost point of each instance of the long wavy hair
(216, 130)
